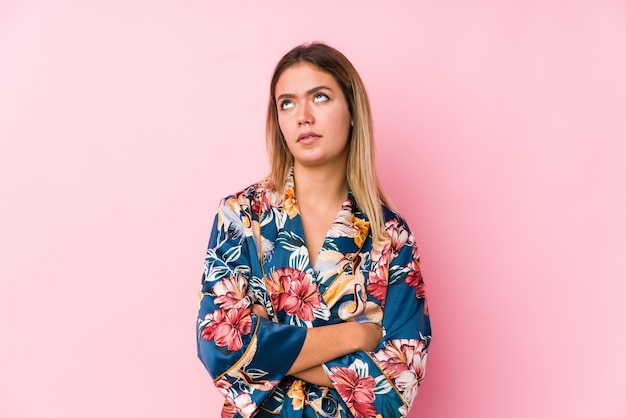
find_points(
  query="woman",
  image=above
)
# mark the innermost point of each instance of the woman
(315, 306)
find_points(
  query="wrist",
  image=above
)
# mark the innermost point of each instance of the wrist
(354, 336)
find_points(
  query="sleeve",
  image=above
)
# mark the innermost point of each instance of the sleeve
(246, 355)
(386, 381)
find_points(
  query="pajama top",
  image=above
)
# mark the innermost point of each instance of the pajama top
(257, 254)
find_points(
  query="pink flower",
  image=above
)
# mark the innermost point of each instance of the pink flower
(241, 404)
(398, 234)
(261, 199)
(356, 391)
(414, 276)
(377, 283)
(415, 280)
(381, 254)
(293, 292)
(229, 410)
(231, 291)
(227, 326)
(404, 362)
(223, 385)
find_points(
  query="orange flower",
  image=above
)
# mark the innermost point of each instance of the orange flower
(296, 393)
(361, 229)
(290, 204)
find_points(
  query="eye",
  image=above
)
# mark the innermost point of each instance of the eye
(286, 104)
(320, 97)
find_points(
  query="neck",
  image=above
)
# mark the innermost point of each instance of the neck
(321, 184)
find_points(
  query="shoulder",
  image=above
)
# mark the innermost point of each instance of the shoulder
(399, 233)
(393, 218)
(257, 196)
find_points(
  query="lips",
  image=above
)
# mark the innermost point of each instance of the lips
(308, 137)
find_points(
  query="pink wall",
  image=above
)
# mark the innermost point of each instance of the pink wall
(501, 135)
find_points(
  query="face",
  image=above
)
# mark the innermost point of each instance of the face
(313, 116)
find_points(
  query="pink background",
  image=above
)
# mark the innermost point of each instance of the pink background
(501, 131)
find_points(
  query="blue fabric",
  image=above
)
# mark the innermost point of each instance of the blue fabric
(257, 254)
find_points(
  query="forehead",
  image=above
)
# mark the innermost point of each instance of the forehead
(302, 77)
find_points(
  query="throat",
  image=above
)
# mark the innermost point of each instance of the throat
(316, 221)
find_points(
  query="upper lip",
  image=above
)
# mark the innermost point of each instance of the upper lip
(305, 134)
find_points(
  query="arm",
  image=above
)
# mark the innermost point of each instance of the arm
(315, 375)
(245, 353)
(325, 343)
(386, 380)
(329, 342)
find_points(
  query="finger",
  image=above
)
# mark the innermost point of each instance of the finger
(260, 311)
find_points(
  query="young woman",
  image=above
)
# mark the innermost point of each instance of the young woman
(312, 303)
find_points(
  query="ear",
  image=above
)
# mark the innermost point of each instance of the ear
(352, 122)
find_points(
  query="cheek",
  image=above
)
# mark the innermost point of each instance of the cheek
(281, 126)
(341, 121)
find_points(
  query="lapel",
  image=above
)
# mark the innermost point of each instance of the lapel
(340, 250)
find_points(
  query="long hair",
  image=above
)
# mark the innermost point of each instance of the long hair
(361, 175)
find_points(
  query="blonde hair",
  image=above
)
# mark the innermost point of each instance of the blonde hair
(361, 174)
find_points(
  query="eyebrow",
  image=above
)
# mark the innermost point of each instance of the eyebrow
(308, 93)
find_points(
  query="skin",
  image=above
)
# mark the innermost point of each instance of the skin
(327, 343)
(310, 100)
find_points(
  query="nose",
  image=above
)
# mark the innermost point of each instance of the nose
(305, 115)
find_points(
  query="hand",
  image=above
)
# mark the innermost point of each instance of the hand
(259, 310)
(372, 334)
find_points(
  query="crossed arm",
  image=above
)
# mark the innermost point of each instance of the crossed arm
(326, 343)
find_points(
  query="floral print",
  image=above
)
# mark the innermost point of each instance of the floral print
(357, 391)
(227, 327)
(296, 393)
(404, 361)
(349, 225)
(291, 204)
(415, 280)
(240, 405)
(257, 255)
(292, 291)
(230, 292)
(377, 285)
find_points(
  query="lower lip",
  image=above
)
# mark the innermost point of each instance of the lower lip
(308, 140)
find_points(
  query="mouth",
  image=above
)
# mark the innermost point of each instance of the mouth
(308, 137)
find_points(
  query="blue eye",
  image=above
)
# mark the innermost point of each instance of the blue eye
(286, 104)
(320, 97)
